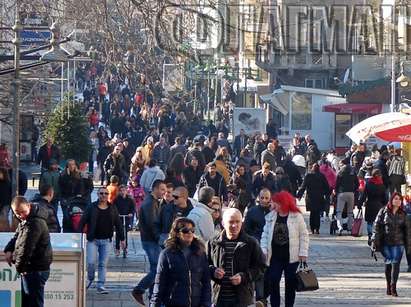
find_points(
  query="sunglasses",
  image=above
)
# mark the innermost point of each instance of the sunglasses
(176, 196)
(186, 230)
(103, 193)
(216, 210)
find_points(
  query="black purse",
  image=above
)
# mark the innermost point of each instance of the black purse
(306, 278)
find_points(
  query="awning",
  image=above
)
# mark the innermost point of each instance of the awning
(278, 100)
(367, 108)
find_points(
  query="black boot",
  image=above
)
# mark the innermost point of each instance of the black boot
(395, 273)
(388, 269)
(369, 239)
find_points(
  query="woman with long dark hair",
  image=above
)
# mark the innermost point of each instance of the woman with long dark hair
(183, 277)
(284, 243)
(392, 234)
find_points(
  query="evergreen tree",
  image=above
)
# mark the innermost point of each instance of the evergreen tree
(69, 128)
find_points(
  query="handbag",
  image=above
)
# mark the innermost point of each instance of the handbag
(356, 225)
(306, 278)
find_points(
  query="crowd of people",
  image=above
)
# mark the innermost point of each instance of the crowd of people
(218, 218)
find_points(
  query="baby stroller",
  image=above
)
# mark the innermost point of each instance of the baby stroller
(76, 207)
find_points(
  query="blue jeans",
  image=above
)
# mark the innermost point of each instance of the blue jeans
(275, 271)
(152, 250)
(393, 253)
(32, 288)
(102, 248)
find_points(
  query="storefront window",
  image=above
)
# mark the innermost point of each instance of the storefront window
(342, 125)
(301, 111)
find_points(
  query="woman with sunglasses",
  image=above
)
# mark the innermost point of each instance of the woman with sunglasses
(183, 277)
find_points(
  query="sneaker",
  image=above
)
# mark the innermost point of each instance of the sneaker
(90, 282)
(102, 290)
(138, 297)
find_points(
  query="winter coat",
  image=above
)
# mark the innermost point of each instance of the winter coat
(392, 229)
(382, 166)
(89, 218)
(69, 185)
(317, 188)
(116, 166)
(51, 178)
(168, 213)
(31, 245)
(150, 175)
(254, 221)
(44, 158)
(268, 156)
(293, 174)
(52, 220)
(297, 232)
(217, 183)
(203, 220)
(182, 281)
(347, 180)
(148, 219)
(161, 154)
(248, 261)
(260, 182)
(191, 177)
(374, 198)
(5, 193)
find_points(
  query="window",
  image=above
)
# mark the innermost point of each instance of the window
(314, 83)
(301, 111)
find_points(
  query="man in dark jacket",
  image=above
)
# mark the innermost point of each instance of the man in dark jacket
(30, 250)
(115, 164)
(101, 219)
(180, 207)
(150, 235)
(191, 176)
(346, 185)
(47, 152)
(214, 180)
(44, 200)
(381, 164)
(254, 223)
(240, 142)
(263, 178)
(236, 262)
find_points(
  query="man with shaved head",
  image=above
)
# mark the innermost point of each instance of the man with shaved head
(236, 261)
(180, 207)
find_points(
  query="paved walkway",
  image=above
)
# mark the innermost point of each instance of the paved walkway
(346, 272)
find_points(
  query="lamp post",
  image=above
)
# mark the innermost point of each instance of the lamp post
(16, 108)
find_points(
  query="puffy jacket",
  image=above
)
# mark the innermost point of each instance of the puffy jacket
(375, 198)
(254, 221)
(297, 231)
(248, 261)
(169, 212)
(181, 281)
(347, 180)
(150, 175)
(115, 166)
(51, 217)
(31, 243)
(148, 219)
(392, 229)
(203, 221)
(89, 218)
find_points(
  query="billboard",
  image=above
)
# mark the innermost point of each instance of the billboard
(250, 119)
(34, 37)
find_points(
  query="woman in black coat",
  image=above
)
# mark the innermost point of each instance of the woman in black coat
(374, 198)
(183, 277)
(317, 188)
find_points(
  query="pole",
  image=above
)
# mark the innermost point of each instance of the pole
(393, 61)
(16, 108)
(208, 93)
(68, 89)
(62, 83)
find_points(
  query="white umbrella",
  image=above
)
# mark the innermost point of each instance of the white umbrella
(376, 125)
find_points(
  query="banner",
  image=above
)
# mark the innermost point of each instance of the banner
(250, 119)
(61, 287)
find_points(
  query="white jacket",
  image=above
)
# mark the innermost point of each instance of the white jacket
(297, 234)
(203, 220)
